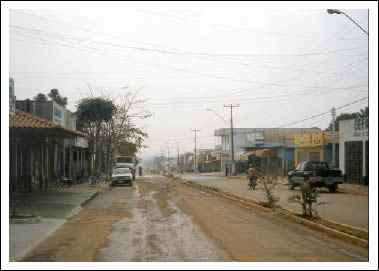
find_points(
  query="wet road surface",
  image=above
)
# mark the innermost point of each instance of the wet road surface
(159, 219)
(158, 230)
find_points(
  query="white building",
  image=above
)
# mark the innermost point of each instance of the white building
(353, 152)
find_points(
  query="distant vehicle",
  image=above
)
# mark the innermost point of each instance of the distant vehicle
(122, 176)
(122, 161)
(317, 174)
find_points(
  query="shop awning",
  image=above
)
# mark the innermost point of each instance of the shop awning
(220, 154)
(265, 153)
(245, 155)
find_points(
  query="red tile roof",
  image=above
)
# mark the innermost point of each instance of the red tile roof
(26, 120)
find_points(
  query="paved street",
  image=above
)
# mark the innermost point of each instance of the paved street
(341, 207)
(159, 219)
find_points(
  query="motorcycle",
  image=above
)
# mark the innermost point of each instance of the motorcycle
(252, 182)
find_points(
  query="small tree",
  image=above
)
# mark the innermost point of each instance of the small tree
(56, 97)
(272, 200)
(307, 198)
(40, 97)
(92, 113)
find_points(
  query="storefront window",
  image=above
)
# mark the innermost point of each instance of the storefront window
(314, 156)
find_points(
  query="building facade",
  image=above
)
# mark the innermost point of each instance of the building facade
(354, 150)
(270, 149)
(316, 146)
(36, 152)
(70, 150)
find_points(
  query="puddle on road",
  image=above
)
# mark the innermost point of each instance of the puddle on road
(152, 234)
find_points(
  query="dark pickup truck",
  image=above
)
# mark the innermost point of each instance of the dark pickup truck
(317, 174)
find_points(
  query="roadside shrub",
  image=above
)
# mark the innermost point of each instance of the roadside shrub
(307, 199)
(272, 200)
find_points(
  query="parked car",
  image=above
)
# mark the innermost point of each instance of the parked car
(122, 176)
(317, 174)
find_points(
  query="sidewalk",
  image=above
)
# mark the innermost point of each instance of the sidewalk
(348, 206)
(55, 208)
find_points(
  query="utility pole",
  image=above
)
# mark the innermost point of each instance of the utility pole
(334, 138)
(177, 148)
(161, 159)
(195, 164)
(168, 159)
(233, 169)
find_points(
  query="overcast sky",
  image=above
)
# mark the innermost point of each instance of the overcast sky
(280, 65)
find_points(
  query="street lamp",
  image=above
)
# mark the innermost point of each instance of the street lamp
(336, 11)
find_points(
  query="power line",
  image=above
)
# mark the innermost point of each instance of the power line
(179, 51)
(327, 112)
(233, 27)
(40, 32)
(220, 77)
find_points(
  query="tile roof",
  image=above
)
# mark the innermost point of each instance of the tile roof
(26, 120)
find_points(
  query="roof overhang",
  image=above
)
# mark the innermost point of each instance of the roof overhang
(265, 153)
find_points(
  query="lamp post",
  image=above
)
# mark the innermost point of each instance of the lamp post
(336, 11)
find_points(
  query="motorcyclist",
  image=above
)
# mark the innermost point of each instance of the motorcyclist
(252, 175)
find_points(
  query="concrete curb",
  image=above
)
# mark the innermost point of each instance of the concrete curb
(33, 220)
(291, 215)
(84, 203)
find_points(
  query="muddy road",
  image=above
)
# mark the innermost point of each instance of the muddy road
(159, 219)
(341, 207)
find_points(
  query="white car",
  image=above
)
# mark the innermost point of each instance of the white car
(122, 176)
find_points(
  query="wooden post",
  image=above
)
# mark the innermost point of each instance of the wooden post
(55, 166)
(70, 163)
(82, 159)
(29, 170)
(77, 165)
(15, 160)
(42, 180)
(47, 163)
(364, 162)
(64, 160)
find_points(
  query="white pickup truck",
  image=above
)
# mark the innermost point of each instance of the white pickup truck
(126, 162)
